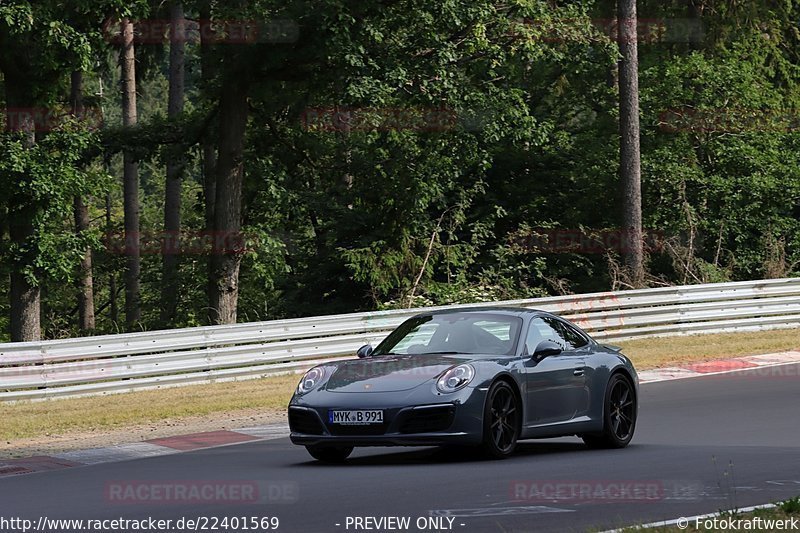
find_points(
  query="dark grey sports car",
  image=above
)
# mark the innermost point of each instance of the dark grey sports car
(484, 377)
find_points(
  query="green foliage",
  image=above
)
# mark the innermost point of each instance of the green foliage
(722, 148)
(400, 154)
(41, 183)
(791, 506)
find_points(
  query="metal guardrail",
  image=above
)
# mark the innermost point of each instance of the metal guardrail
(146, 360)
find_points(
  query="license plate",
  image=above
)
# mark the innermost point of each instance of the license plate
(356, 418)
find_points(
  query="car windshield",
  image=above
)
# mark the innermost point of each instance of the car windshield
(461, 333)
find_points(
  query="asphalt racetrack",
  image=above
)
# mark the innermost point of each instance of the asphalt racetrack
(702, 444)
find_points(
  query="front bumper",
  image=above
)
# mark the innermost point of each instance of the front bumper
(419, 439)
(457, 421)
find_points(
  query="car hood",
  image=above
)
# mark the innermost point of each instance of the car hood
(389, 373)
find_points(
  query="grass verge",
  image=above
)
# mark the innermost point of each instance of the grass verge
(97, 413)
(672, 351)
(26, 420)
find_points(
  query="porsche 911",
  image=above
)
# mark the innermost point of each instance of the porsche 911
(479, 377)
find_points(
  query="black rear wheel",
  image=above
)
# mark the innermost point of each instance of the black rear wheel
(619, 415)
(330, 454)
(501, 421)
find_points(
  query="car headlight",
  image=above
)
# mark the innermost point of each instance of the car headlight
(455, 378)
(310, 380)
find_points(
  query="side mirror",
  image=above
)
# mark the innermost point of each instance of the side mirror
(364, 351)
(546, 349)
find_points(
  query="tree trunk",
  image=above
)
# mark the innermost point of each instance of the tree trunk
(630, 163)
(208, 72)
(25, 323)
(172, 195)
(25, 297)
(86, 320)
(130, 180)
(112, 274)
(228, 203)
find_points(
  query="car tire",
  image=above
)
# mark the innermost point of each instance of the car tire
(330, 454)
(501, 421)
(619, 416)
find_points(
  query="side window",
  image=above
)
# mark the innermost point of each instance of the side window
(542, 330)
(573, 336)
(551, 329)
(566, 336)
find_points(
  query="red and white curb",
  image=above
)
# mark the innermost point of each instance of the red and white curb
(722, 366)
(137, 450)
(213, 439)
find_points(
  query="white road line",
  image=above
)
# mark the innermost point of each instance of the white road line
(666, 374)
(691, 519)
(272, 431)
(498, 511)
(121, 452)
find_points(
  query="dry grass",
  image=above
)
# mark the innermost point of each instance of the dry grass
(31, 419)
(105, 413)
(673, 351)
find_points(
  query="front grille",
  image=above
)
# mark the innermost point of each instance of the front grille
(427, 420)
(303, 421)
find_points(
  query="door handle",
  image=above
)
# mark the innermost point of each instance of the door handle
(578, 371)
